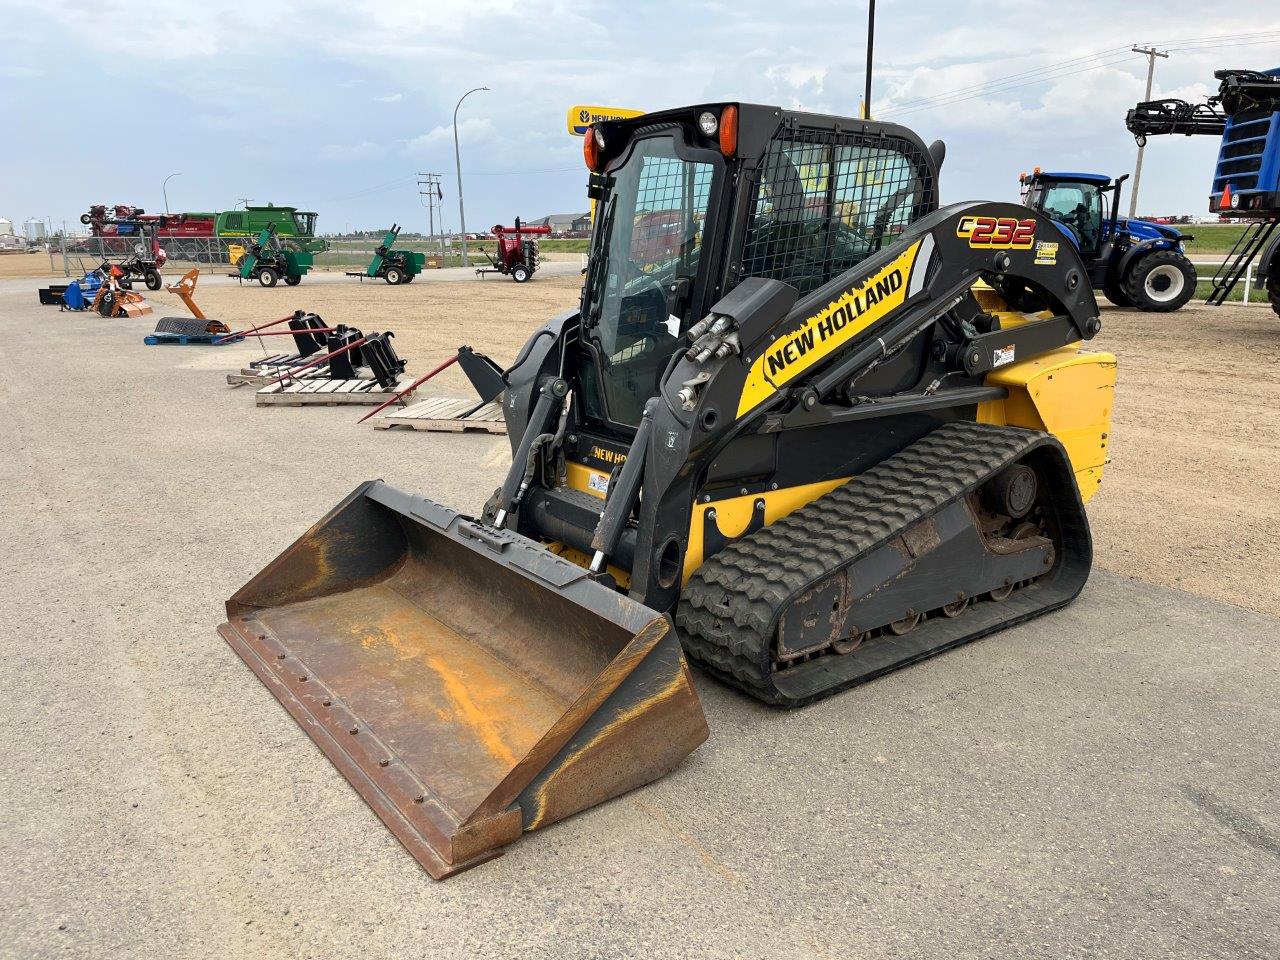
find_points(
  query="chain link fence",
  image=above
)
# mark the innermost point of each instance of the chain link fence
(338, 253)
(182, 252)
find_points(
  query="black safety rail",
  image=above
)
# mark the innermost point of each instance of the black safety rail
(1233, 268)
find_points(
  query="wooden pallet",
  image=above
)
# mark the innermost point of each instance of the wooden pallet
(260, 378)
(323, 392)
(188, 339)
(444, 414)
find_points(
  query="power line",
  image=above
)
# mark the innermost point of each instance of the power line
(1017, 76)
(1003, 88)
(1109, 56)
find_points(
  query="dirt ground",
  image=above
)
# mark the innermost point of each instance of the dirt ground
(17, 265)
(1191, 499)
(494, 316)
(1098, 782)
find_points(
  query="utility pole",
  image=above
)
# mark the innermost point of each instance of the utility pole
(871, 44)
(1150, 53)
(432, 195)
(457, 159)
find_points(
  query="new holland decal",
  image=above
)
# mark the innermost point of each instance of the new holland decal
(827, 330)
(997, 233)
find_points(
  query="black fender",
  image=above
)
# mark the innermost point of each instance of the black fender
(1138, 250)
(1267, 259)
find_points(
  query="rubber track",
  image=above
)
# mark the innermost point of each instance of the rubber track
(728, 610)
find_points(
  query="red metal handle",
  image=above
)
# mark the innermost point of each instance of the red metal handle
(318, 360)
(245, 333)
(409, 389)
(290, 333)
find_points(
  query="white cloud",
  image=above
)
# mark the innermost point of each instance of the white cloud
(470, 130)
(390, 98)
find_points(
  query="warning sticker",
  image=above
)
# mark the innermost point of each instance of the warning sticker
(1002, 356)
(1046, 253)
(599, 482)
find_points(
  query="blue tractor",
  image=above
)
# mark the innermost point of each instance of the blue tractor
(1245, 116)
(1136, 263)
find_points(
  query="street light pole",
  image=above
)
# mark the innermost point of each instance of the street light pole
(871, 45)
(457, 159)
(164, 188)
(1150, 53)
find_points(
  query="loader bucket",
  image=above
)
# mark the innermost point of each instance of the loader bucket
(469, 684)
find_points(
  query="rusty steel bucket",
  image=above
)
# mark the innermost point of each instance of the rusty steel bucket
(467, 682)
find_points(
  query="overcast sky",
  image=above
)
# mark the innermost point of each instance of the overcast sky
(335, 106)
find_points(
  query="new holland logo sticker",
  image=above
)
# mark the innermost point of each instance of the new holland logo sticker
(827, 330)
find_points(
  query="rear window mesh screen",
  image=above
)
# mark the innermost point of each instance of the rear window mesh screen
(826, 201)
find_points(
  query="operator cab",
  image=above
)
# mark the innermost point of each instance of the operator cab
(304, 222)
(1077, 201)
(690, 202)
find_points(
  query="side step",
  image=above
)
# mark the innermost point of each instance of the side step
(1233, 268)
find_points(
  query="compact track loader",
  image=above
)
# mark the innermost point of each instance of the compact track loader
(791, 432)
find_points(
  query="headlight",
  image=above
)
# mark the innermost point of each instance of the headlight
(708, 124)
(599, 138)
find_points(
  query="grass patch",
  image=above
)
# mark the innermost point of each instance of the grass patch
(1212, 238)
(1257, 294)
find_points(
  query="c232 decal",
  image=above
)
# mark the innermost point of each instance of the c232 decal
(997, 233)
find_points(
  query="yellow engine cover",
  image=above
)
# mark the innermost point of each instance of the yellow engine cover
(1068, 393)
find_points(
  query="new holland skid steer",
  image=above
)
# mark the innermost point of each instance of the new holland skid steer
(794, 435)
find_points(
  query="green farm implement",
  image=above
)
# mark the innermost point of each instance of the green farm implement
(393, 266)
(265, 261)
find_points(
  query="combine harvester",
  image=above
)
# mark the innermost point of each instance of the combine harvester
(393, 266)
(1246, 182)
(853, 456)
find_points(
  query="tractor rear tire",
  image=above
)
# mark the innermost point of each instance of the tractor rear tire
(520, 273)
(1115, 293)
(1273, 285)
(394, 276)
(152, 279)
(292, 281)
(267, 277)
(1160, 282)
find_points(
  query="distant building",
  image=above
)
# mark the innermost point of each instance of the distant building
(6, 227)
(564, 223)
(34, 229)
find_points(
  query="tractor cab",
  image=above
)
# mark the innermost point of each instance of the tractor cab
(1078, 201)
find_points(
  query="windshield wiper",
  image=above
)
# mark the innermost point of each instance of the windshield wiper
(591, 304)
